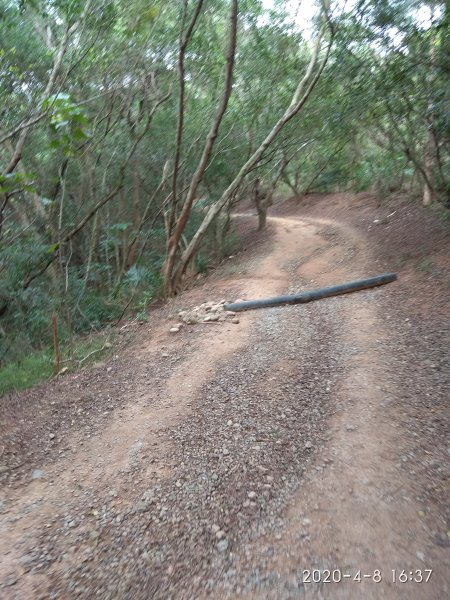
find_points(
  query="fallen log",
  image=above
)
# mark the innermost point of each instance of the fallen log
(304, 297)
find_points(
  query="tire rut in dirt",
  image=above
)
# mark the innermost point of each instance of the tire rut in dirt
(239, 458)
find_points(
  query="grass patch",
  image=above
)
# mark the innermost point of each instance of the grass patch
(38, 366)
(234, 270)
(30, 371)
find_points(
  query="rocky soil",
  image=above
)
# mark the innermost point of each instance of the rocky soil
(207, 312)
(220, 455)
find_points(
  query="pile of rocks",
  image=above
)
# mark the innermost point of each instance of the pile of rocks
(208, 312)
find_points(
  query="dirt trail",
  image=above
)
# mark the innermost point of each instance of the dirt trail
(357, 519)
(207, 416)
(140, 424)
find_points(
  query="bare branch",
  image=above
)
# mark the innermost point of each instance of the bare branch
(209, 144)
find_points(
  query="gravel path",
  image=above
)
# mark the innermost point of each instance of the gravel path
(222, 461)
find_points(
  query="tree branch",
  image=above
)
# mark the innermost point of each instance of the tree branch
(209, 144)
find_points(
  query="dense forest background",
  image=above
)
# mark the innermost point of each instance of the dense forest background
(130, 130)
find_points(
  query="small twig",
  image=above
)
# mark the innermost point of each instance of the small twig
(81, 360)
(16, 466)
(104, 347)
(125, 309)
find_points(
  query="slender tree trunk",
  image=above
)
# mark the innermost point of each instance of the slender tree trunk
(262, 219)
(278, 176)
(261, 204)
(184, 42)
(293, 186)
(262, 198)
(123, 245)
(224, 230)
(429, 150)
(174, 240)
(130, 255)
(428, 163)
(428, 194)
(299, 99)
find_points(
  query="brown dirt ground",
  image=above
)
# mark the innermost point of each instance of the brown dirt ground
(362, 486)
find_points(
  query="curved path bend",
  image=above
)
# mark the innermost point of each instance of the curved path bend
(229, 461)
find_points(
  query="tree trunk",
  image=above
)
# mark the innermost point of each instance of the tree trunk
(293, 186)
(131, 250)
(298, 100)
(261, 204)
(184, 42)
(428, 195)
(174, 240)
(429, 158)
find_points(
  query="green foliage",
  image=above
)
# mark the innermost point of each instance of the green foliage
(68, 123)
(232, 244)
(13, 181)
(202, 263)
(33, 369)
